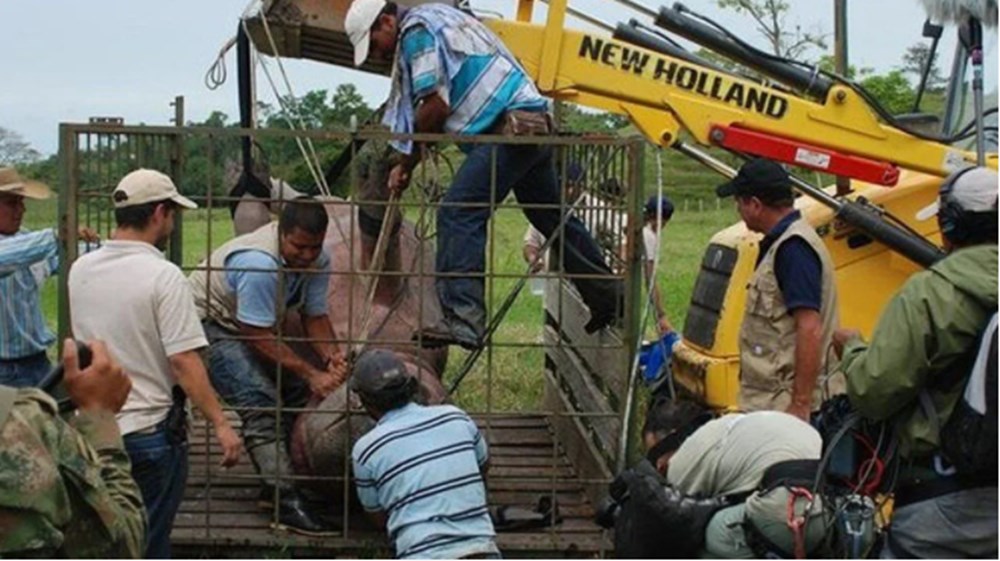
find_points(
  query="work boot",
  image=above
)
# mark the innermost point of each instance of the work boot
(294, 515)
(449, 331)
(606, 310)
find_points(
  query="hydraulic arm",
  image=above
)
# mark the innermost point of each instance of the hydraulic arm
(664, 94)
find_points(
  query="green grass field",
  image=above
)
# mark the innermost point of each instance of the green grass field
(515, 372)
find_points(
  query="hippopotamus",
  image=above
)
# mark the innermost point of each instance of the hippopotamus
(401, 305)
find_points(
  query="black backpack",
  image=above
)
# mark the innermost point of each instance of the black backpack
(969, 437)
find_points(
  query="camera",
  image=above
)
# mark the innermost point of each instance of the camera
(607, 513)
(610, 507)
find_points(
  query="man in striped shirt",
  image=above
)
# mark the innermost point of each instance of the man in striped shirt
(419, 471)
(452, 74)
(27, 259)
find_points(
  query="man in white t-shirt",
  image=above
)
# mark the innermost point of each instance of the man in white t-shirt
(130, 296)
(604, 222)
(656, 213)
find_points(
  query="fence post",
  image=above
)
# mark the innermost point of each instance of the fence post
(69, 185)
(176, 247)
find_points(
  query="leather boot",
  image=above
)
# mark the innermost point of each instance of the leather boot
(272, 459)
(295, 516)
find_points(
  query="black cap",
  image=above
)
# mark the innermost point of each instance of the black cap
(378, 372)
(659, 205)
(761, 178)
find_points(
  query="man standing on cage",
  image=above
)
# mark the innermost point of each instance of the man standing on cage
(452, 74)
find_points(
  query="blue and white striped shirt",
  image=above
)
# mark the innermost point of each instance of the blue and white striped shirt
(445, 51)
(421, 466)
(28, 259)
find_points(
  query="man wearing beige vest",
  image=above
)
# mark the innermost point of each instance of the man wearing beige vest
(243, 294)
(791, 303)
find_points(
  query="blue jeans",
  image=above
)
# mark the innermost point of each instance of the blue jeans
(530, 172)
(243, 380)
(160, 468)
(24, 372)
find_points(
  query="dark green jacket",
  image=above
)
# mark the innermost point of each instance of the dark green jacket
(925, 332)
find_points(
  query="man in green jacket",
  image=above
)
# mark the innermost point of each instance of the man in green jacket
(926, 335)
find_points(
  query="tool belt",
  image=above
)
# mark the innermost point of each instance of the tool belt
(518, 122)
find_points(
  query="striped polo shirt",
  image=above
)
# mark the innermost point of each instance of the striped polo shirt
(421, 467)
(484, 87)
(23, 331)
(446, 51)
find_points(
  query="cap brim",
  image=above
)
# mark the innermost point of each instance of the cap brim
(928, 212)
(29, 190)
(361, 48)
(184, 201)
(727, 189)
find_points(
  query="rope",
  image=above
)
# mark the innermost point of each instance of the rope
(381, 245)
(290, 108)
(216, 74)
(634, 370)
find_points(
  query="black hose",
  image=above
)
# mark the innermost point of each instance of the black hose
(674, 19)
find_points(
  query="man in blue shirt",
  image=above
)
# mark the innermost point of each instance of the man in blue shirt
(419, 472)
(791, 307)
(452, 74)
(243, 294)
(28, 259)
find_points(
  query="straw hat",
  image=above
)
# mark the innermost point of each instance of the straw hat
(11, 182)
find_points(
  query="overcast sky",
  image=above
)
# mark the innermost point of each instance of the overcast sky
(68, 60)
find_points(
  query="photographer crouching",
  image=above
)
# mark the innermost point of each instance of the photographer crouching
(732, 487)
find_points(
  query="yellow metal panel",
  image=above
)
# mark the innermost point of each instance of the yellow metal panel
(551, 45)
(524, 10)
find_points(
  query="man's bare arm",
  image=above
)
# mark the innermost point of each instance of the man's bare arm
(264, 343)
(808, 357)
(430, 117)
(189, 370)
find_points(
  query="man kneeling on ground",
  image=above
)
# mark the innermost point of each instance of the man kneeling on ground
(420, 471)
(719, 488)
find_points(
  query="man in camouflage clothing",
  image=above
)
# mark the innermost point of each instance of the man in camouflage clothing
(65, 488)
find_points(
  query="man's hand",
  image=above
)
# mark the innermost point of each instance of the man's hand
(399, 179)
(337, 366)
(841, 337)
(232, 444)
(89, 235)
(800, 410)
(322, 383)
(102, 386)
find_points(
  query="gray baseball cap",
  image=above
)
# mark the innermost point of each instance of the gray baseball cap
(378, 371)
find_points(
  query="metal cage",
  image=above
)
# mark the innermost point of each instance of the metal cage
(551, 400)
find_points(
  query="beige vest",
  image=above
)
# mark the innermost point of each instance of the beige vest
(213, 296)
(767, 336)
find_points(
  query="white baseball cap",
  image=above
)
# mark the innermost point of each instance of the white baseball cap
(358, 24)
(147, 186)
(975, 190)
